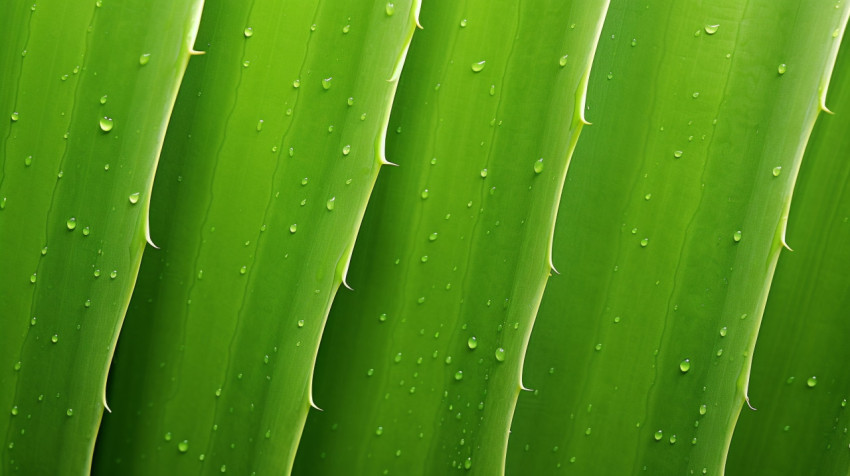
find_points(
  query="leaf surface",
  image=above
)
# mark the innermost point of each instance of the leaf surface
(800, 383)
(420, 368)
(671, 222)
(271, 156)
(86, 89)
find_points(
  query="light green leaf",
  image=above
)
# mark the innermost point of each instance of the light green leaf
(420, 368)
(86, 89)
(273, 151)
(670, 227)
(800, 383)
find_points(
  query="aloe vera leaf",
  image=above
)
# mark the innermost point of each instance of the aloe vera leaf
(671, 222)
(269, 161)
(419, 370)
(800, 383)
(87, 88)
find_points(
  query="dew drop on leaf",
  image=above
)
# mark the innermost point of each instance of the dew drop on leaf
(538, 166)
(106, 124)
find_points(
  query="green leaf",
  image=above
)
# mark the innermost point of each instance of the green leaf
(672, 221)
(800, 381)
(86, 90)
(419, 369)
(273, 151)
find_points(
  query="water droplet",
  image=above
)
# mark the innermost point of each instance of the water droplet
(634, 41)
(472, 342)
(301, 323)
(71, 223)
(647, 197)
(97, 273)
(811, 381)
(330, 203)
(70, 412)
(685, 365)
(562, 61)
(777, 171)
(106, 124)
(432, 237)
(597, 347)
(183, 446)
(538, 165)
(782, 68)
(113, 274)
(248, 32)
(17, 365)
(736, 237)
(644, 242)
(500, 354)
(379, 431)
(296, 84)
(610, 75)
(463, 23)
(695, 94)
(260, 125)
(677, 154)
(346, 150)
(483, 173)
(15, 117)
(673, 440)
(459, 375)
(658, 435)
(723, 331)
(350, 102)
(711, 29)
(33, 278)
(134, 198)
(390, 9)
(424, 194)
(326, 83)
(293, 228)
(103, 99)
(144, 59)
(477, 67)
(243, 270)
(703, 409)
